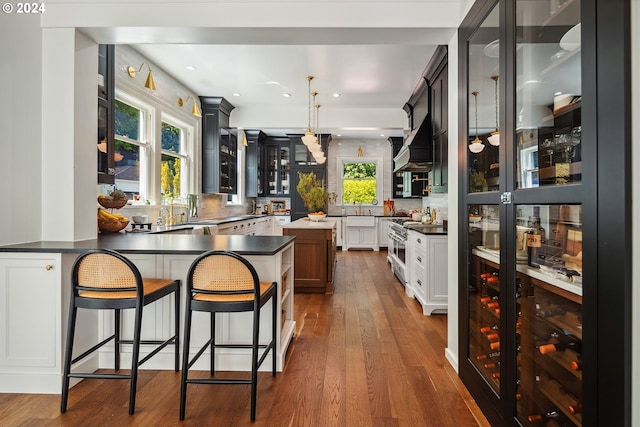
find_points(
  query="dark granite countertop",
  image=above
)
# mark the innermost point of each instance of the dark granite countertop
(427, 229)
(162, 243)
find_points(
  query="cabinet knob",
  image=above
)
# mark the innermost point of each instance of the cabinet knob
(419, 259)
(48, 267)
(419, 282)
(419, 240)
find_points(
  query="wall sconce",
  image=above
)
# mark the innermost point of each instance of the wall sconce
(195, 111)
(149, 84)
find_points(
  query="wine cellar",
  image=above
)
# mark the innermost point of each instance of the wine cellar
(542, 332)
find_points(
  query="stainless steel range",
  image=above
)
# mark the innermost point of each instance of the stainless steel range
(397, 248)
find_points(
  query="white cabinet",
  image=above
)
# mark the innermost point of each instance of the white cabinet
(339, 231)
(278, 222)
(31, 325)
(360, 232)
(426, 264)
(383, 230)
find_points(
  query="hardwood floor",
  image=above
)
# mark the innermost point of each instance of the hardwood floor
(364, 356)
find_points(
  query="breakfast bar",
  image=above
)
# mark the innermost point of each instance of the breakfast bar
(35, 284)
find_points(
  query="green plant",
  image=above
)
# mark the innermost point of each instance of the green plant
(313, 192)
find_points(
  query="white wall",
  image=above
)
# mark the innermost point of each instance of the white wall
(21, 125)
(452, 349)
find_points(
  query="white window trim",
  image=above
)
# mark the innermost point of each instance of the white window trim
(146, 143)
(379, 175)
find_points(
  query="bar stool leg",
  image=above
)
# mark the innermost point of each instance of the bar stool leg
(135, 356)
(177, 327)
(116, 329)
(254, 362)
(274, 322)
(213, 343)
(71, 330)
(185, 358)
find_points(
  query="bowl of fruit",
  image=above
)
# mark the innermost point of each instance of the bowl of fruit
(115, 200)
(111, 223)
(317, 216)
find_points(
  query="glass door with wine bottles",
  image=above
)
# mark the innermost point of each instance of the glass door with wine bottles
(529, 186)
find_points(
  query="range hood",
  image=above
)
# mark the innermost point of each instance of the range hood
(416, 153)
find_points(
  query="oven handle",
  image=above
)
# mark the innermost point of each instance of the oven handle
(396, 237)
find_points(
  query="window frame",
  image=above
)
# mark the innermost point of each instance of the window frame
(378, 160)
(186, 151)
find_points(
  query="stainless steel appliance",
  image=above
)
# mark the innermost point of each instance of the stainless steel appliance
(397, 248)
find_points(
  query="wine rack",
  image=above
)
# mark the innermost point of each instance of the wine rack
(550, 371)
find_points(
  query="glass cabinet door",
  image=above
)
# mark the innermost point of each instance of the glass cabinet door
(285, 171)
(548, 149)
(484, 292)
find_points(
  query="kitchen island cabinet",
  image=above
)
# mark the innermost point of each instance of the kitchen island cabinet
(315, 251)
(34, 278)
(427, 268)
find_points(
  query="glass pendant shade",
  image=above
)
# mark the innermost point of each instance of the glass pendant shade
(476, 145)
(315, 148)
(494, 139)
(309, 138)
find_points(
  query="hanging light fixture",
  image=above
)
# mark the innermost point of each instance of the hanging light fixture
(476, 145)
(316, 147)
(195, 111)
(149, 83)
(494, 139)
(309, 137)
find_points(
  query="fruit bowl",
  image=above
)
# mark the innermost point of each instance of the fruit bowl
(317, 216)
(112, 226)
(111, 203)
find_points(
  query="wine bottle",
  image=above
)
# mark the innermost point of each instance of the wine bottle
(493, 337)
(489, 329)
(541, 418)
(534, 241)
(488, 356)
(576, 365)
(575, 408)
(564, 342)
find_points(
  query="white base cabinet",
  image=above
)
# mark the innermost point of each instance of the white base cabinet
(426, 264)
(360, 233)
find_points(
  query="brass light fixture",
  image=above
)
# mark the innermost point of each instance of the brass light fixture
(476, 145)
(195, 111)
(316, 147)
(494, 139)
(309, 137)
(149, 84)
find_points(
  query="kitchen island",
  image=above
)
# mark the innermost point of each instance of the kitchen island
(315, 254)
(35, 283)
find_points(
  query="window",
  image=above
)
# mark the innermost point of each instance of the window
(130, 146)
(174, 162)
(361, 180)
(148, 165)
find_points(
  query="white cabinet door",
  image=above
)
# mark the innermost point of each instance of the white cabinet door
(383, 230)
(30, 329)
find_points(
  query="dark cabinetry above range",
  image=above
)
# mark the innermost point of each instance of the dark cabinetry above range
(219, 147)
(425, 147)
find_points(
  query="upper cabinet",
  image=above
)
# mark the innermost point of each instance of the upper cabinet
(254, 165)
(438, 100)
(219, 147)
(106, 100)
(278, 167)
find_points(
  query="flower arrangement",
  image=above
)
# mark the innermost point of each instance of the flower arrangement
(313, 192)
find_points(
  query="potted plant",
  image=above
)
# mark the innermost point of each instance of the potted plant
(314, 195)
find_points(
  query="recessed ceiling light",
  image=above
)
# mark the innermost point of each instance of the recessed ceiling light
(336, 95)
(190, 67)
(286, 95)
(557, 93)
(236, 94)
(339, 134)
(382, 134)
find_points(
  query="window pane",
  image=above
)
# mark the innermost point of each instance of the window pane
(483, 133)
(548, 94)
(170, 176)
(171, 137)
(359, 183)
(128, 121)
(127, 158)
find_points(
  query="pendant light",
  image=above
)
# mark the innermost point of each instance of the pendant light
(494, 139)
(476, 145)
(316, 147)
(309, 137)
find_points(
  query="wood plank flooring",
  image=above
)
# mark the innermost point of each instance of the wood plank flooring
(364, 356)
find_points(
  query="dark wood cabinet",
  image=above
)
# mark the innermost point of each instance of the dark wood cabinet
(254, 163)
(314, 258)
(277, 167)
(219, 147)
(106, 111)
(438, 84)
